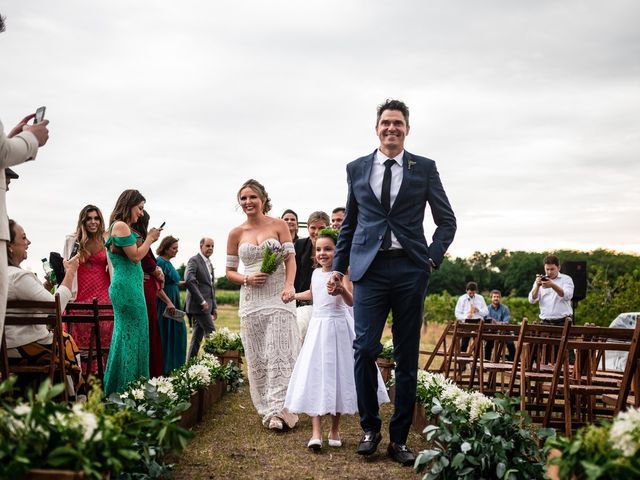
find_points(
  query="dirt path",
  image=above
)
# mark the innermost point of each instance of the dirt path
(231, 443)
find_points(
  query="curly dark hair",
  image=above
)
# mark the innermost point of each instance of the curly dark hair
(390, 104)
(257, 187)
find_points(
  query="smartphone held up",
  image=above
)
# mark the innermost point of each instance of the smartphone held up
(39, 115)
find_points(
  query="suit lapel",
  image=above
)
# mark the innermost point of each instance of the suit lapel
(366, 175)
(406, 172)
(203, 264)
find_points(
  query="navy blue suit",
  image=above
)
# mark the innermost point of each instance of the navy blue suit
(396, 283)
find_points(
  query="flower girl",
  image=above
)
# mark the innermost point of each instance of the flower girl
(323, 381)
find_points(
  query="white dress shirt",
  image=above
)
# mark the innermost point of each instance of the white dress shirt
(23, 285)
(463, 307)
(375, 181)
(552, 305)
(209, 265)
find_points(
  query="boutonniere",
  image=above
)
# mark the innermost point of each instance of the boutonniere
(411, 163)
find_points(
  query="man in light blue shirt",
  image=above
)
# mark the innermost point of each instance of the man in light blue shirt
(498, 313)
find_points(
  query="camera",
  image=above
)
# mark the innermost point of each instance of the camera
(544, 278)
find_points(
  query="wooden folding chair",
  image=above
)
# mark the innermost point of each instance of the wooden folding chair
(92, 313)
(631, 374)
(457, 360)
(439, 350)
(500, 335)
(27, 312)
(537, 364)
(584, 383)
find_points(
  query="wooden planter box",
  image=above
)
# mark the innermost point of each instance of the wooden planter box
(208, 396)
(385, 366)
(230, 355)
(190, 416)
(420, 421)
(46, 474)
(49, 474)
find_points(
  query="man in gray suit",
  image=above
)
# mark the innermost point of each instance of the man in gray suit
(201, 296)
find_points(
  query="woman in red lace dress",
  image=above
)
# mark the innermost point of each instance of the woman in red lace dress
(92, 279)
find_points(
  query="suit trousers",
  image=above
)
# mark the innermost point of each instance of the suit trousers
(399, 285)
(202, 325)
(4, 284)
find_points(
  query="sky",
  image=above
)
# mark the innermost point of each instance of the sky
(530, 110)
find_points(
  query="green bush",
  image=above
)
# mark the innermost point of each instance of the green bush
(228, 297)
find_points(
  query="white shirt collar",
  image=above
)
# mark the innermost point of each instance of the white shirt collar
(381, 157)
(206, 260)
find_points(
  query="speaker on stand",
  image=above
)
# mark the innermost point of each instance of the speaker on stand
(577, 270)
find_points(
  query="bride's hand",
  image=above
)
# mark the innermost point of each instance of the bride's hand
(288, 294)
(257, 279)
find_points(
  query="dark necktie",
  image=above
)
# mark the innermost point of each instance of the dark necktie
(385, 199)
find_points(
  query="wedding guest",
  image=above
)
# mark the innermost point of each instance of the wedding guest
(92, 279)
(267, 318)
(200, 302)
(291, 219)
(322, 382)
(337, 217)
(153, 282)
(470, 308)
(129, 353)
(16, 147)
(31, 344)
(172, 332)
(305, 264)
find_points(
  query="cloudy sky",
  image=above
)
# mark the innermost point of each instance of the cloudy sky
(529, 108)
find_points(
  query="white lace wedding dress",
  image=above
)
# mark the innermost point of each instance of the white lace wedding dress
(269, 335)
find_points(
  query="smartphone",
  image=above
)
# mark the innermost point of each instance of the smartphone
(162, 226)
(39, 115)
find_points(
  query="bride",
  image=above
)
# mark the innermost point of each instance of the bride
(267, 317)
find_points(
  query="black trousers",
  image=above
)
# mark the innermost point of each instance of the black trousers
(399, 285)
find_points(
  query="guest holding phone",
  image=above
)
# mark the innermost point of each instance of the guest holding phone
(129, 355)
(92, 279)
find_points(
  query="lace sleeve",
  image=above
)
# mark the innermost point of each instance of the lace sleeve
(289, 248)
(233, 261)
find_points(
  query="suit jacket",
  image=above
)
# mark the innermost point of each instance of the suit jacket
(304, 265)
(366, 220)
(13, 151)
(199, 285)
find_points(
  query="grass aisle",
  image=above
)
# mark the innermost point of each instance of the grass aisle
(231, 442)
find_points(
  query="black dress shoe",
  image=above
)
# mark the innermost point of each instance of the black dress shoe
(369, 443)
(401, 454)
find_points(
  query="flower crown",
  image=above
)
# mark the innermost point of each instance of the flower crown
(329, 232)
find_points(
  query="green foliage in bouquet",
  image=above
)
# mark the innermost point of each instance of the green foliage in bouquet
(273, 256)
(599, 452)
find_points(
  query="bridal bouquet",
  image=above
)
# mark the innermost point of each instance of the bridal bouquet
(273, 256)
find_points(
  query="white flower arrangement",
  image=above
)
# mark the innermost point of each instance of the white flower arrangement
(436, 386)
(222, 340)
(164, 386)
(199, 376)
(625, 432)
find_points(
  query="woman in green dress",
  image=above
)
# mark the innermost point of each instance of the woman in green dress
(129, 352)
(172, 332)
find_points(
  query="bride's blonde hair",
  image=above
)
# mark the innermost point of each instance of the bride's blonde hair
(257, 187)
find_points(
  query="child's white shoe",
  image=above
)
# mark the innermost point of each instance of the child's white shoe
(334, 443)
(315, 444)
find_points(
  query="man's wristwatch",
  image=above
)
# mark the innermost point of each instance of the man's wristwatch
(432, 263)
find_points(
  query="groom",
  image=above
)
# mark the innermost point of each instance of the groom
(382, 240)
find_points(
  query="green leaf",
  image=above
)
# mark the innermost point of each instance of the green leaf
(500, 469)
(544, 433)
(427, 455)
(458, 459)
(490, 416)
(465, 471)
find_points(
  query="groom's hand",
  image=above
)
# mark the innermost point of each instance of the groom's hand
(333, 285)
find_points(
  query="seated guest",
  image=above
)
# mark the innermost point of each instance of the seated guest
(31, 344)
(498, 313)
(470, 308)
(305, 265)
